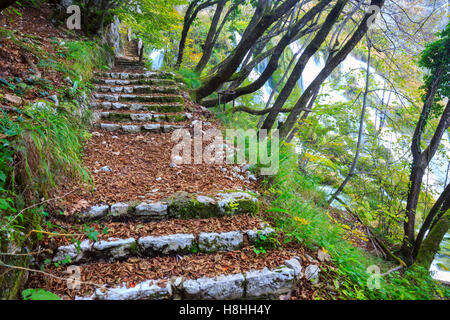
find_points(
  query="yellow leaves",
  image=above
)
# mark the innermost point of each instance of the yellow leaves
(301, 221)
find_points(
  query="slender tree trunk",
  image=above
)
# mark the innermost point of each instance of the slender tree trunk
(330, 65)
(360, 132)
(209, 44)
(286, 40)
(310, 50)
(243, 47)
(186, 26)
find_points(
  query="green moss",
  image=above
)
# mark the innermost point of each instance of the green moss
(176, 117)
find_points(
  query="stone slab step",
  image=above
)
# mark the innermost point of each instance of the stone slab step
(137, 89)
(180, 205)
(263, 283)
(142, 117)
(136, 128)
(119, 82)
(133, 75)
(161, 107)
(150, 246)
(139, 98)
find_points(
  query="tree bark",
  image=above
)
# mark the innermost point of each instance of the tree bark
(331, 64)
(310, 50)
(244, 45)
(431, 244)
(360, 133)
(209, 44)
(420, 163)
(284, 42)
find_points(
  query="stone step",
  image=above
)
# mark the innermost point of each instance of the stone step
(119, 82)
(249, 284)
(136, 128)
(133, 75)
(138, 98)
(142, 117)
(148, 245)
(166, 107)
(137, 89)
(181, 205)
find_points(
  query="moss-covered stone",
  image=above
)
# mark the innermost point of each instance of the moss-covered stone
(176, 117)
(187, 206)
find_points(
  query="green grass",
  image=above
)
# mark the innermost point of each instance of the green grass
(298, 208)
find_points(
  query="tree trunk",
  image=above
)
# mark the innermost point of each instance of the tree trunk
(431, 244)
(310, 50)
(186, 26)
(247, 41)
(331, 64)
(282, 44)
(209, 44)
(360, 132)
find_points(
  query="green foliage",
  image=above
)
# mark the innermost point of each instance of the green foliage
(190, 78)
(435, 59)
(153, 21)
(39, 294)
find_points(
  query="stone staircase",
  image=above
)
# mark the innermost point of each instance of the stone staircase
(154, 249)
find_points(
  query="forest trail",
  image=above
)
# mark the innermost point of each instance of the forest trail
(164, 231)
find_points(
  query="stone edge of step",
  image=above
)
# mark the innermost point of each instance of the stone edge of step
(250, 284)
(150, 246)
(143, 117)
(136, 128)
(160, 209)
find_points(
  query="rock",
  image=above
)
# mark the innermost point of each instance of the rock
(150, 289)
(141, 117)
(67, 79)
(255, 235)
(76, 254)
(119, 209)
(152, 127)
(170, 244)
(295, 265)
(105, 169)
(323, 256)
(55, 99)
(95, 212)
(252, 177)
(185, 205)
(158, 179)
(236, 169)
(131, 128)
(172, 165)
(236, 202)
(226, 241)
(312, 273)
(157, 209)
(229, 287)
(263, 283)
(115, 249)
(13, 99)
(110, 126)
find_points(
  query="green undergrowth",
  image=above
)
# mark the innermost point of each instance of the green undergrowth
(41, 147)
(299, 211)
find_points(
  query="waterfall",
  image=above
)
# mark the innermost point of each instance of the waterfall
(157, 56)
